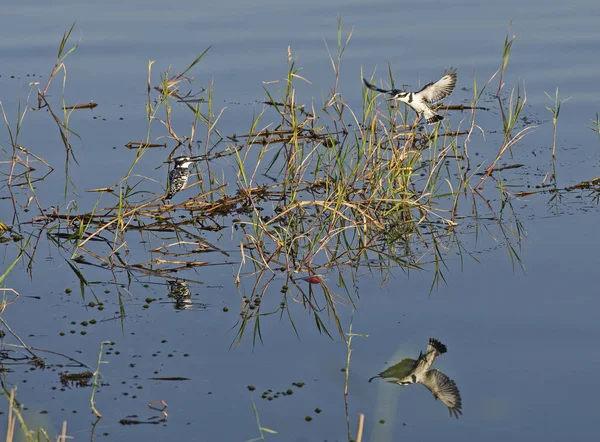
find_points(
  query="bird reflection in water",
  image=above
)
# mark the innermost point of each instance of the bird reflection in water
(411, 371)
(180, 293)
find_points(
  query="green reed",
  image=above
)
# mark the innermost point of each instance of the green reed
(318, 187)
(555, 111)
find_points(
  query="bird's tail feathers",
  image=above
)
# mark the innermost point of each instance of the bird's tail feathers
(434, 119)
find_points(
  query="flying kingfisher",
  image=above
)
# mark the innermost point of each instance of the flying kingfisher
(178, 177)
(410, 371)
(422, 100)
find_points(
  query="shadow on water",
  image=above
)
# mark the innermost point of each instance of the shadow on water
(317, 197)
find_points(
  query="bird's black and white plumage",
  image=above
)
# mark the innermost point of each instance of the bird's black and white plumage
(411, 371)
(181, 294)
(178, 177)
(422, 100)
(444, 389)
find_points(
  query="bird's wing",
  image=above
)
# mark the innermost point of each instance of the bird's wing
(384, 91)
(444, 389)
(434, 92)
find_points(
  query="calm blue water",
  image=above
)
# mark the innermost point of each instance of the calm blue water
(519, 341)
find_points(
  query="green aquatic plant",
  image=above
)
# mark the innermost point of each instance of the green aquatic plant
(555, 111)
(262, 430)
(319, 189)
(506, 50)
(27, 433)
(97, 375)
(595, 124)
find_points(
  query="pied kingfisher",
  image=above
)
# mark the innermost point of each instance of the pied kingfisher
(181, 294)
(410, 371)
(422, 100)
(178, 177)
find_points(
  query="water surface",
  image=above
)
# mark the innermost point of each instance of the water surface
(518, 339)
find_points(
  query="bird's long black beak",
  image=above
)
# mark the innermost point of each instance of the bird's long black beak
(196, 158)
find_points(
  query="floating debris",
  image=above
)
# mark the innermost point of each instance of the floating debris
(76, 379)
(136, 145)
(89, 105)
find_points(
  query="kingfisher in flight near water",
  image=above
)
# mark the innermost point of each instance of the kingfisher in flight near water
(411, 371)
(178, 177)
(422, 100)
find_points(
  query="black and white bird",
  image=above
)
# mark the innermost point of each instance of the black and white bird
(422, 100)
(178, 177)
(411, 371)
(181, 294)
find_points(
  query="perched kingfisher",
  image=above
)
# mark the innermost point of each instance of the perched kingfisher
(422, 100)
(178, 177)
(410, 371)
